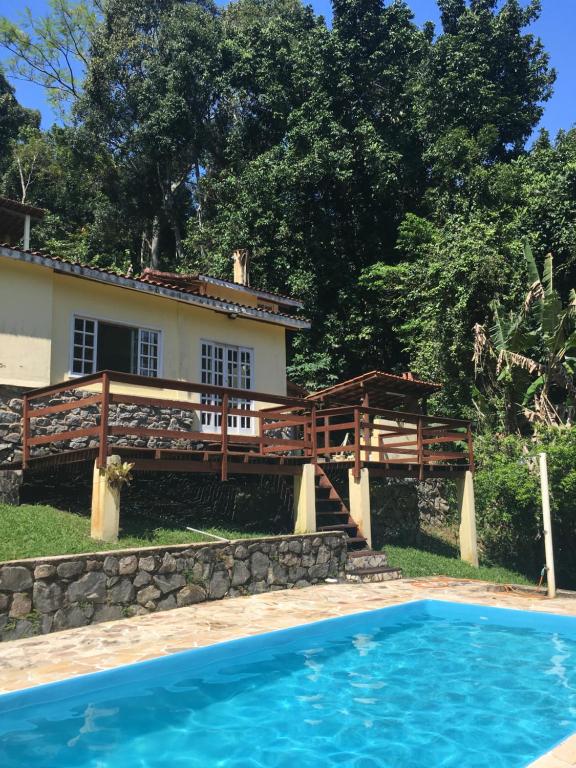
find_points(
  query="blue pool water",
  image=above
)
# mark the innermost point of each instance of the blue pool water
(425, 684)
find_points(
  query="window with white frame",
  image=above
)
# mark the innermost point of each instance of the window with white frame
(98, 345)
(224, 365)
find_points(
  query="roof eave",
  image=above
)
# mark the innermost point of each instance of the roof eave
(207, 302)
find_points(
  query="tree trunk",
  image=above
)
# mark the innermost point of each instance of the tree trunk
(199, 208)
(155, 244)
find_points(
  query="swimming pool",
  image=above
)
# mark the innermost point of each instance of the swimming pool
(427, 683)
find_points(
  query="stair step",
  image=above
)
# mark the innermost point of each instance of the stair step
(355, 542)
(333, 514)
(339, 527)
(366, 558)
(373, 575)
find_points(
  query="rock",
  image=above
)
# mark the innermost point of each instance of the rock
(21, 605)
(257, 588)
(206, 555)
(123, 592)
(107, 613)
(323, 555)
(92, 586)
(127, 565)
(15, 578)
(169, 583)
(147, 563)
(44, 571)
(295, 546)
(68, 618)
(259, 565)
(142, 578)
(189, 595)
(47, 597)
(111, 566)
(168, 564)
(93, 565)
(166, 604)
(240, 574)
(318, 571)
(3, 603)
(306, 546)
(23, 628)
(279, 574)
(297, 573)
(219, 584)
(147, 595)
(241, 553)
(70, 570)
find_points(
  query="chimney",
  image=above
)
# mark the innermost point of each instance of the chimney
(241, 259)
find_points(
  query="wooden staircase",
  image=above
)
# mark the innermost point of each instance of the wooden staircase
(332, 514)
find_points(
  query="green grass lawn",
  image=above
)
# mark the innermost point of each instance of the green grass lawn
(36, 531)
(434, 556)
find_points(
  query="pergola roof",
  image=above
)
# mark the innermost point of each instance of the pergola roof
(376, 389)
(12, 215)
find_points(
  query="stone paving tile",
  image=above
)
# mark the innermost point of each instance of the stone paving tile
(36, 660)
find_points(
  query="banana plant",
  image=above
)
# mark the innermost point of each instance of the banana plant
(527, 357)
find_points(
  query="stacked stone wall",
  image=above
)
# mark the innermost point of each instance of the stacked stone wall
(45, 595)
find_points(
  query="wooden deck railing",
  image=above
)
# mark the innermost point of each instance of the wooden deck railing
(281, 430)
(284, 427)
(365, 435)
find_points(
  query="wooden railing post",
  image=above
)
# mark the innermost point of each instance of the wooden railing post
(104, 412)
(261, 423)
(224, 434)
(470, 448)
(25, 432)
(420, 448)
(357, 465)
(313, 436)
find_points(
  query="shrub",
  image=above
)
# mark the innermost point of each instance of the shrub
(509, 504)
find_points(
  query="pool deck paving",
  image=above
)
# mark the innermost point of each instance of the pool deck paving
(48, 658)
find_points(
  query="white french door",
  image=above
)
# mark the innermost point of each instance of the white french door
(223, 365)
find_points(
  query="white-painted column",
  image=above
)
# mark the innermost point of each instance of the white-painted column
(105, 518)
(547, 519)
(27, 232)
(305, 500)
(359, 492)
(467, 509)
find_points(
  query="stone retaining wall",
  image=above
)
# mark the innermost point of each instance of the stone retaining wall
(43, 595)
(10, 426)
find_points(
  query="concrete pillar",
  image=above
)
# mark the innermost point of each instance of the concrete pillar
(467, 508)
(105, 519)
(26, 237)
(305, 500)
(359, 491)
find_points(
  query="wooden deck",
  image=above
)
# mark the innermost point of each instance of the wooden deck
(231, 431)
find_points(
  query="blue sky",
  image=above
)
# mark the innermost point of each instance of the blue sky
(556, 27)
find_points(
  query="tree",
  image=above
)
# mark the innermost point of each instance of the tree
(150, 98)
(530, 353)
(13, 118)
(53, 50)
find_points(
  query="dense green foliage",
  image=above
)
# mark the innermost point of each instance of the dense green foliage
(508, 501)
(375, 168)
